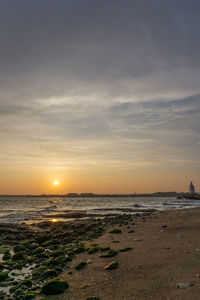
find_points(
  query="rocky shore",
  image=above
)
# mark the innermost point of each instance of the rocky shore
(33, 254)
(153, 255)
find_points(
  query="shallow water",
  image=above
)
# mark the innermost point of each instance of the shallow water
(28, 209)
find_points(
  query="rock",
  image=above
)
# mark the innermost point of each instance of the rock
(58, 261)
(58, 252)
(5, 283)
(33, 246)
(81, 266)
(104, 249)
(179, 236)
(49, 273)
(38, 250)
(38, 272)
(41, 238)
(7, 255)
(137, 239)
(3, 276)
(18, 292)
(115, 231)
(2, 295)
(39, 255)
(112, 265)
(80, 248)
(125, 249)
(26, 244)
(110, 253)
(93, 249)
(55, 286)
(89, 261)
(184, 285)
(18, 248)
(29, 296)
(19, 256)
(13, 289)
(26, 282)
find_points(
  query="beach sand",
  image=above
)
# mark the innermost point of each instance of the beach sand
(166, 251)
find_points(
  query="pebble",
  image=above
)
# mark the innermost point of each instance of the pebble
(89, 261)
(184, 285)
(137, 239)
(179, 236)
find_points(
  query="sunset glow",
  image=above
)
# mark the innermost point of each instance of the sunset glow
(99, 97)
(54, 220)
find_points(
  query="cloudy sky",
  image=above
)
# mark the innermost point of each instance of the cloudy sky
(102, 95)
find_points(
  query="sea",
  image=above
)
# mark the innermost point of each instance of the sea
(36, 209)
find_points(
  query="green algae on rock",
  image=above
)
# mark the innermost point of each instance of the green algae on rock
(3, 276)
(50, 273)
(7, 255)
(110, 253)
(4, 248)
(18, 248)
(19, 256)
(55, 286)
(93, 249)
(26, 282)
(58, 252)
(30, 295)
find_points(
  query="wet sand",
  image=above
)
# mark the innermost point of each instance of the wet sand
(166, 251)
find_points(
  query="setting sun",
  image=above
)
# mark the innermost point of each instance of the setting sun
(56, 182)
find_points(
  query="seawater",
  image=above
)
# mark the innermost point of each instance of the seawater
(32, 209)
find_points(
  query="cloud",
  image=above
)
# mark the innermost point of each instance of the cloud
(100, 83)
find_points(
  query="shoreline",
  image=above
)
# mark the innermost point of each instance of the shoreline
(154, 250)
(76, 215)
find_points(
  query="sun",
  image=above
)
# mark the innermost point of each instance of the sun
(56, 182)
(54, 220)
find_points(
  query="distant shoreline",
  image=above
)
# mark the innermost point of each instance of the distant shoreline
(82, 195)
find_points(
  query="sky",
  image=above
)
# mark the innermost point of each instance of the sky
(101, 95)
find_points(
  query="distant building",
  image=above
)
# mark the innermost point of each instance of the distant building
(191, 188)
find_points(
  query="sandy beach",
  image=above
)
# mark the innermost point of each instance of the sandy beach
(156, 256)
(165, 252)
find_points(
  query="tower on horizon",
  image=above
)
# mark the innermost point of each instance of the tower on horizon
(191, 188)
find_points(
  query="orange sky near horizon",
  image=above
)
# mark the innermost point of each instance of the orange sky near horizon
(145, 181)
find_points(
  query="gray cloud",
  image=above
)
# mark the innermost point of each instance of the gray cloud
(100, 81)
